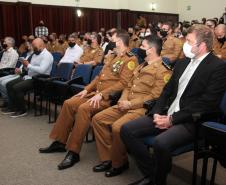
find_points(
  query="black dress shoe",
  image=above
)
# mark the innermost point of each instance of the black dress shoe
(106, 165)
(116, 171)
(70, 159)
(144, 181)
(56, 146)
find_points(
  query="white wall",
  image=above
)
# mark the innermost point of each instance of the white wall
(169, 6)
(200, 9)
(163, 6)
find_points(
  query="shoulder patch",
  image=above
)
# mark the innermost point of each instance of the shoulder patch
(129, 53)
(131, 65)
(166, 78)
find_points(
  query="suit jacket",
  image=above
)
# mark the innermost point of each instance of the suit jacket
(203, 92)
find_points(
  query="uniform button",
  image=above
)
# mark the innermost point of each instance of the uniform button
(134, 85)
(99, 82)
(138, 78)
(131, 92)
(102, 74)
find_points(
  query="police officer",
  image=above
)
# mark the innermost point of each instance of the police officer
(75, 117)
(172, 46)
(92, 53)
(147, 82)
(219, 46)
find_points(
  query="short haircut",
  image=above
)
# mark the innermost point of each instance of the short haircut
(10, 41)
(168, 23)
(73, 36)
(97, 37)
(154, 41)
(124, 36)
(203, 34)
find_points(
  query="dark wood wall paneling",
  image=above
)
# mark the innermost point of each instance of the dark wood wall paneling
(20, 18)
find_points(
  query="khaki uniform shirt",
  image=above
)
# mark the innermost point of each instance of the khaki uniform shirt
(61, 48)
(51, 46)
(92, 54)
(134, 42)
(147, 83)
(219, 49)
(171, 48)
(115, 75)
(142, 22)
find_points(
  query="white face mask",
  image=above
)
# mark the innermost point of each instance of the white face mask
(187, 50)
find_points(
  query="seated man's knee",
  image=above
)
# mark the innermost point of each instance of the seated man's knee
(160, 143)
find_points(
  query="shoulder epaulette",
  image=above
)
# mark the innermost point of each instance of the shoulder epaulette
(129, 53)
(167, 65)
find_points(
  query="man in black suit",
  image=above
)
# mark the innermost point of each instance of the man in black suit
(197, 84)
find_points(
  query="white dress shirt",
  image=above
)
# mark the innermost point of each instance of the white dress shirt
(183, 82)
(40, 64)
(9, 58)
(72, 54)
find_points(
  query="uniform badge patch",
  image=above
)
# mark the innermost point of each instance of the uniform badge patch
(131, 65)
(166, 78)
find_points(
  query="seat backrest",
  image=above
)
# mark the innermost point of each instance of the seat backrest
(56, 56)
(54, 69)
(64, 70)
(223, 104)
(96, 71)
(84, 71)
(135, 52)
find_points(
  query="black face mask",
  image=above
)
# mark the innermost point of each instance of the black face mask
(141, 53)
(36, 51)
(61, 41)
(45, 41)
(89, 41)
(163, 33)
(221, 40)
(4, 46)
(130, 34)
(71, 44)
(113, 45)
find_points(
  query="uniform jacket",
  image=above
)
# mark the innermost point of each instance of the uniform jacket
(171, 48)
(146, 84)
(92, 54)
(134, 42)
(220, 49)
(114, 76)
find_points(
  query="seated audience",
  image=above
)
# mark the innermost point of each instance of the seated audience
(41, 63)
(51, 45)
(19, 72)
(172, 47)
(75, 117)
(9, 56)
(73, 52)
(147, 83)
(211, 23)
(93, 53)
(220, 41)
(23, 45)
(134, 41)
(197, 85)
(61, 45)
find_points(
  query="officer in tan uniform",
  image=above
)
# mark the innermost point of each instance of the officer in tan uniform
(134, 41)
(52, 43)
(219, 46)
(172, 46)
(141, 21)
(75, 117)
(61, 45)
(147, 83)
(92, 53)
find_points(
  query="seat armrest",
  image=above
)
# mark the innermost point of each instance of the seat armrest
(77, 80)
(149, 104)
(207, 116)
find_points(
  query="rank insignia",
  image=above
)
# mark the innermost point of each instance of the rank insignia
(131, 65)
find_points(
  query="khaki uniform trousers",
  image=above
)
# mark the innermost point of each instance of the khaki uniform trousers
(107, 125)
(74, 121)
